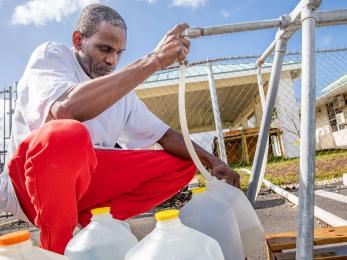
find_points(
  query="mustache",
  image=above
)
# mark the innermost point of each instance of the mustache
(105, 70)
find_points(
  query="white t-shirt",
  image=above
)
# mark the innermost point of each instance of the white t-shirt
(52, 69)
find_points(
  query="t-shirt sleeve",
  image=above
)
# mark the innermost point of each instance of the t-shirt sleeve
(142, 129)
(50, 74)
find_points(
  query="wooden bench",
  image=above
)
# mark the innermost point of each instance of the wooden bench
(330, 243)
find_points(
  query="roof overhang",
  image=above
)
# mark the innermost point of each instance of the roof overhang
(235, 90)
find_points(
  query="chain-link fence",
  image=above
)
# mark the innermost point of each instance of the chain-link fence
(241, 110)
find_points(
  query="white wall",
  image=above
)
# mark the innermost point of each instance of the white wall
(324, 136)
(288, 116)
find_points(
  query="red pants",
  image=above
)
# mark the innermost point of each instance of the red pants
(58, 177)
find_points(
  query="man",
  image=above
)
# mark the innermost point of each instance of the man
(72, 108)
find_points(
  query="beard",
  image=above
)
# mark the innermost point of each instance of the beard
(86, 63)
(91, 69)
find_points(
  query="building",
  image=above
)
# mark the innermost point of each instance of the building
(331, 109)
(238, 97)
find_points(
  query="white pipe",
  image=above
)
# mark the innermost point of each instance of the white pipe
(184, 126)
(334, 17)
(325, 216)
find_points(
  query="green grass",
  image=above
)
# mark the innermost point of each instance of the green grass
(329, 165)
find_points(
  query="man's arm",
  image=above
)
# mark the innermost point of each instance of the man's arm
(173, 143)
(89, 99)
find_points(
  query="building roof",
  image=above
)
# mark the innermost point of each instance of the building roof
(336, 88)
(336, 84)
(200, 70)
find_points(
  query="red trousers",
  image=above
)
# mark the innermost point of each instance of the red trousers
(59, 177)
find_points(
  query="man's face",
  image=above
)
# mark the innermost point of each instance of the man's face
(99, 54)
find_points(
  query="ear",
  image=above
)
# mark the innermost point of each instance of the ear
(77, 38)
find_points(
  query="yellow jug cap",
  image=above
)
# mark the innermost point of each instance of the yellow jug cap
(103, 210)
(199, 190)
(167, 214)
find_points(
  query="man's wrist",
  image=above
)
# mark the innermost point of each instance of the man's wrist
(214, 161)
(154, 59)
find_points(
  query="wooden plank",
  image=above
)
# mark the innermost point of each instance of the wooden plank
(322, 236)
(269, 253)
(326, 253)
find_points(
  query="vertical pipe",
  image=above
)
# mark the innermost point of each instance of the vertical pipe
(280, 50)
(10, 111)
(216, 113)
(307, 138)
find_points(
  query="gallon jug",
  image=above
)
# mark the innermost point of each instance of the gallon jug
(251, 230)
(215, 219)
(172, 240)
(104, 238)
(18, 246)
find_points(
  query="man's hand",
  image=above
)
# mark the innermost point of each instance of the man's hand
(222, 171)
(173, 47)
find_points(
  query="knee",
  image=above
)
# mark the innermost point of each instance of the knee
(63, 133)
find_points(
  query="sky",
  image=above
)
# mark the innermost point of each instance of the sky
(24, 25)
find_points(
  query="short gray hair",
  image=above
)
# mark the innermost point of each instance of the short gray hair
(94, 14)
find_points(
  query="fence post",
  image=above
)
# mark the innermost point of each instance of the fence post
(216, 113)
(262, 101)
(280, 50)
(307, 141)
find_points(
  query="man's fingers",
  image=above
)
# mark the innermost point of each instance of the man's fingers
(237, 182)
(178, 29)
(185, 42)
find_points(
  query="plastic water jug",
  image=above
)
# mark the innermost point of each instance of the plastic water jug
(172, 240)
(251, 230)
(18, 246)
(104, 238)
(215, 219)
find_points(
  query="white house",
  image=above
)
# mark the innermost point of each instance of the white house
(331, 109)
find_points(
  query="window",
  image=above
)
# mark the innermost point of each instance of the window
(332, 111)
